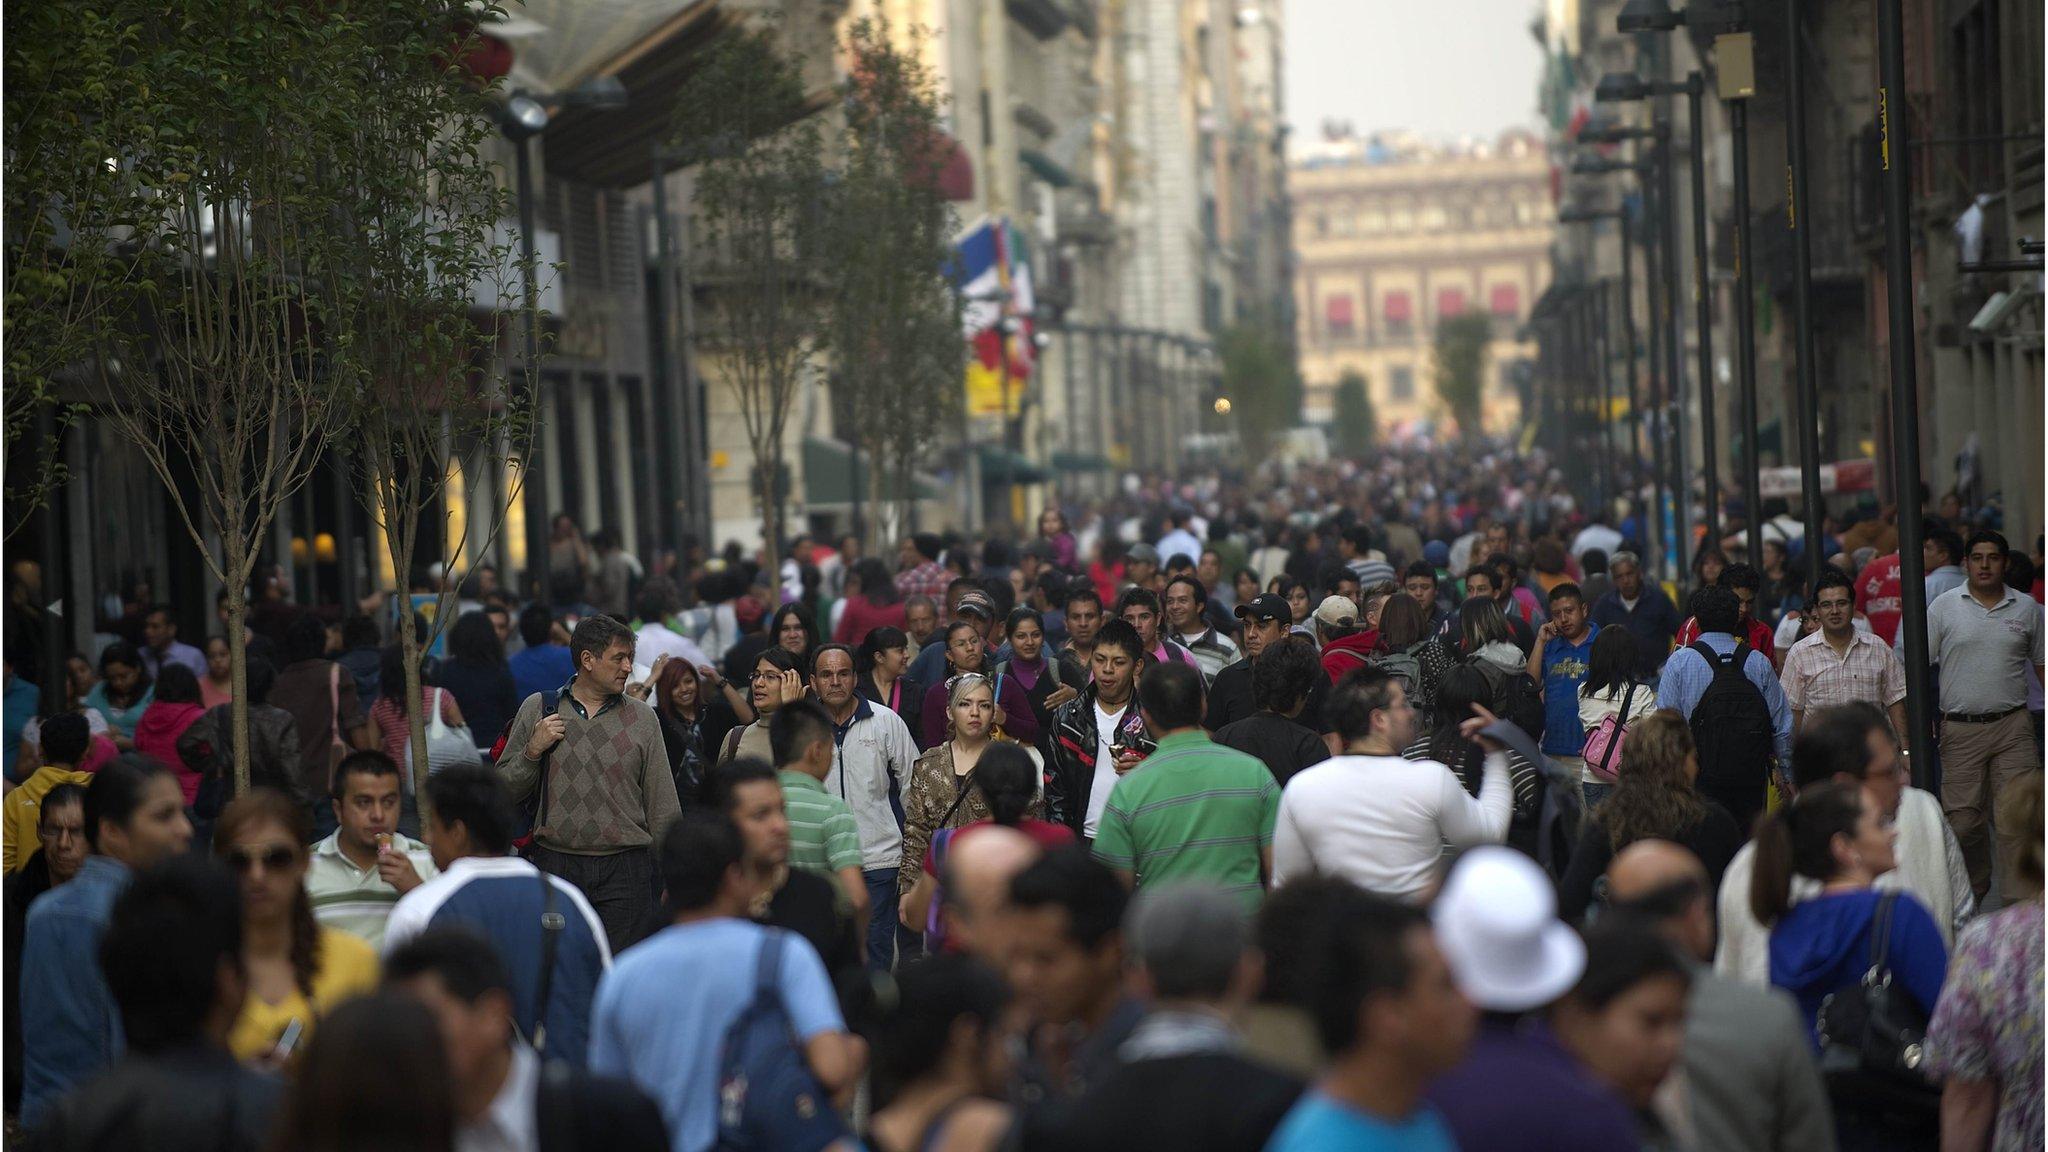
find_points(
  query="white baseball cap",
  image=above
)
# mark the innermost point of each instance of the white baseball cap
(1496, 921)
(1337, 612)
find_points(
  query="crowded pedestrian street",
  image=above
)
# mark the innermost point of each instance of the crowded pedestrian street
(1053, 576)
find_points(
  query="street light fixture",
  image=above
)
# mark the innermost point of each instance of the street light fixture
(523, 116)
(1627, 87)
(1580, 214)
(1647, 16)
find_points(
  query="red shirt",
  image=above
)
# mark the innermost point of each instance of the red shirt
(862, 616)
(1877, 595)
(1760, 636)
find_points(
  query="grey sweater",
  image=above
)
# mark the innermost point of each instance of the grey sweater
(608, 784)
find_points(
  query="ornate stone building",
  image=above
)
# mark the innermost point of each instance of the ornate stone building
(1392, 236)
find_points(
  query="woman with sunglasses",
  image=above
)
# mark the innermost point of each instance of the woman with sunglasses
(297, 969)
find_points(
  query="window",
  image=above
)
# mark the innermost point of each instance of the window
(1433, 217)
(1505, 301)
(1401, 384)
(1450, 302)
(1372, 222)
(1338, 317)
(1399, 311)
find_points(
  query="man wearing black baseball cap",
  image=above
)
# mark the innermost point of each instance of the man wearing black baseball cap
(1266, 619)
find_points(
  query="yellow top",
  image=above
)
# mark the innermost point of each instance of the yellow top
(348, 967)
(22, 808)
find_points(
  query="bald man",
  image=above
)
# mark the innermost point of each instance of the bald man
(1749, 1070)
(978, 871)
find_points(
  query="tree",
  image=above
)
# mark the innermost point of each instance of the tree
(1356, 426)
(1260, 380)
(1462, 345)
(72, 270)
(743, 117)
(892, 318)
(425, 201)
(222, 353)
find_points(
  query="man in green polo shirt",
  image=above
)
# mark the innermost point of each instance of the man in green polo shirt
(823, 836)
(1192, 809)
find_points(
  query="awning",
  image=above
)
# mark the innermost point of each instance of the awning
(1337, 310)
(650, 46)
(829, 476)
(1002, 466)
(1505, 300)
(1399, 309)
(1450, 302)
(1046, 168)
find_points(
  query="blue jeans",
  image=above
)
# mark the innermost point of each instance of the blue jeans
(1594, 793)
(881, 918)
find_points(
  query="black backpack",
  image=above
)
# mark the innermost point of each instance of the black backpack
(1515, 696)
(1731, 725)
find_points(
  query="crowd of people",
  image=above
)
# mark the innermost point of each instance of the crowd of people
(1384, 806)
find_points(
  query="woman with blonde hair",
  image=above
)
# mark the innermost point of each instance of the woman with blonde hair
(297, 969)
(942, 793)
(1654, 799)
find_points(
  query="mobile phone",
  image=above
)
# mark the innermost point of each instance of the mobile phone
(288, 1039)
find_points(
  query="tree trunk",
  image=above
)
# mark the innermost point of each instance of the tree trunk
(415, 709)
(237, 555)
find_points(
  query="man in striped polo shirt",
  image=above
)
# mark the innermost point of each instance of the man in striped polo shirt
(360, 870)
(823, 835)
(1193, 809)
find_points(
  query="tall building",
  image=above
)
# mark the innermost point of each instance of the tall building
(1392, 236)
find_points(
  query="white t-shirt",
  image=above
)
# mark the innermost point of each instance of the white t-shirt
(1381, 821)
(1105, 769)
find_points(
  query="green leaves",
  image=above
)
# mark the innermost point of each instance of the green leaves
(1462, 345)
(1354, 425)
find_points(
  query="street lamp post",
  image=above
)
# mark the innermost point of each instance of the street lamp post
(523, 116)
(1576, 215)
(1905, 423)
(1808, 402)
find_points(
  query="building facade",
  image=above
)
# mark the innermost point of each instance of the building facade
(1392, 236)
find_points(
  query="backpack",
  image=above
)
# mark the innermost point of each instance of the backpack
(534, 807)
(768, 1100)
(1731, 724)
(1515, 697)
(1401, 666)
(1603, 743)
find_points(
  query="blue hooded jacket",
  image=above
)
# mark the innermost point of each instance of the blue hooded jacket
(1823, 945)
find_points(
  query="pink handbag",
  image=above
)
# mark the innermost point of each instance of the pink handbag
(1603, 743)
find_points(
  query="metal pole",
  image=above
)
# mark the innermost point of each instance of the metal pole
(670, 472)
(1628, 335)
(535, 479)
(1674, 352)
(1745, 331)
(1703, 303)
(1898, 225)
(54, 674)
(1604, 330)
(1808, 399)
(1653, 411)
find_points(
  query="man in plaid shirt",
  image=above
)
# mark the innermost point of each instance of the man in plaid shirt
(922, 574)
(1840, 663)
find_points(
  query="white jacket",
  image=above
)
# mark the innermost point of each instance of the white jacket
(876, 749)
(1930, 867)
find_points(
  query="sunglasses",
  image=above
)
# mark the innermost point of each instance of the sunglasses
(275, 858)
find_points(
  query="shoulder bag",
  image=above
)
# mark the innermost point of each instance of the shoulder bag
(1873, 1039)
(1603, 743)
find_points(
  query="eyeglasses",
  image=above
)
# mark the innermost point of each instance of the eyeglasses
(275, 858)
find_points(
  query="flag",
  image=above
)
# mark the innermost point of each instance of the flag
(994, 276)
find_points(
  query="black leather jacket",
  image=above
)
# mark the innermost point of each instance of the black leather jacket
(195, 1099)
(1070, 769)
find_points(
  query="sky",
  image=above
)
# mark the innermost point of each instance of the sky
(1440, 68)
